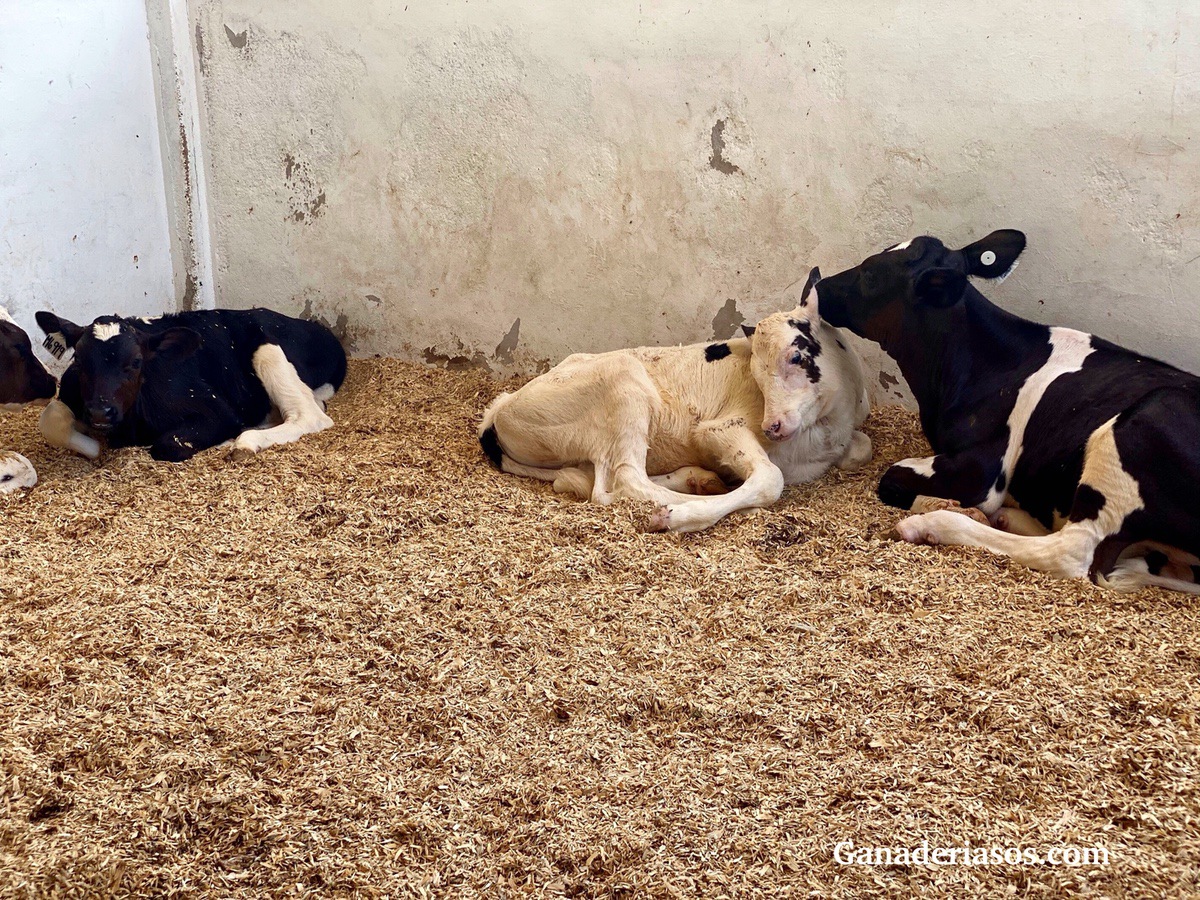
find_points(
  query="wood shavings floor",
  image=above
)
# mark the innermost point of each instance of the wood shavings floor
(369, 665)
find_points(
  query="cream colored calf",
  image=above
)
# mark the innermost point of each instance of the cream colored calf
(654, 423)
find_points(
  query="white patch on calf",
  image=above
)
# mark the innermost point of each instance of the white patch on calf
(106, 330)
(1068, 350)
(922, 467)
(903, 246)
(5, 317)
(301, 412)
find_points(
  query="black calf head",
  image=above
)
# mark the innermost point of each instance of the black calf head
(110, 356)
(874, 298)
(23, 379)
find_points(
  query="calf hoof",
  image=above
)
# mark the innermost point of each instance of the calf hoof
(660, 520)
(706, 485)
(240, 454)
(922, 505)
(915, 530)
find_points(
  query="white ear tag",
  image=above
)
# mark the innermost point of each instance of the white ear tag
(988, 258)
(56, 343)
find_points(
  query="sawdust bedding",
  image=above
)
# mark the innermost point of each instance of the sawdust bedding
(369, 665)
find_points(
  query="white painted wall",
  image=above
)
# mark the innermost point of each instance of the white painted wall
(423, 174)
(83, 212)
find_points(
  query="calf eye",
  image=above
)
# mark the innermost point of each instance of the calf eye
(135, 365)
(6, 478)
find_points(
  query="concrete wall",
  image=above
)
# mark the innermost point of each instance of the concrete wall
(423, 176)
(83, 210)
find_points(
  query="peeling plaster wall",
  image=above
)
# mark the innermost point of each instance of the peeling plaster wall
(502, 183)
(83, 209)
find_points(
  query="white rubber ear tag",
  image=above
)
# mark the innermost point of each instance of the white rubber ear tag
(987, 257)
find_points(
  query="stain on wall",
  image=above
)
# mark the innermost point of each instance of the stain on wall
(727, 321)
(237, 40)
(718, 160)
(507, 347)
(305, 197)
(644, 174)
(201, 55)
(456, 361)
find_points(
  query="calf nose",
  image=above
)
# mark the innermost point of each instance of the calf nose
(772, 430)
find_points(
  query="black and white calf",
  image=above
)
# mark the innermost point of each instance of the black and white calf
(1084, 455)
(183, 383)
(656, 423)
(23, 380)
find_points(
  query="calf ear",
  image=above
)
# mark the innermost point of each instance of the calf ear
(940, 288)
(54, 325)
(813, 277)
(748, 330)
(180, 341)
(995, 255)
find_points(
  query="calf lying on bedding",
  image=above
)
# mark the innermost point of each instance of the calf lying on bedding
(1083, 454)
(653, 422)
(23, 380)
(186, 382)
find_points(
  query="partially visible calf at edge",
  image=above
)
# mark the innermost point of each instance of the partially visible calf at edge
(666, 424)
(1052, 446)
(185, 382)
(23, 381)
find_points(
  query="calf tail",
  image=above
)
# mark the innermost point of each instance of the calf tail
(491, 446)
(489, 440)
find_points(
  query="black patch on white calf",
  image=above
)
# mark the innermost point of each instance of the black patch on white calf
(1088, 503)
(490, 442)
(808, 348)
(1001, 482)
(713, 352)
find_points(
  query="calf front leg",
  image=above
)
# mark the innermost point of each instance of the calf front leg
(858, 453)
(970, 479)
(215, 426)
(182, 443)
(736, 449)
(298, 406)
